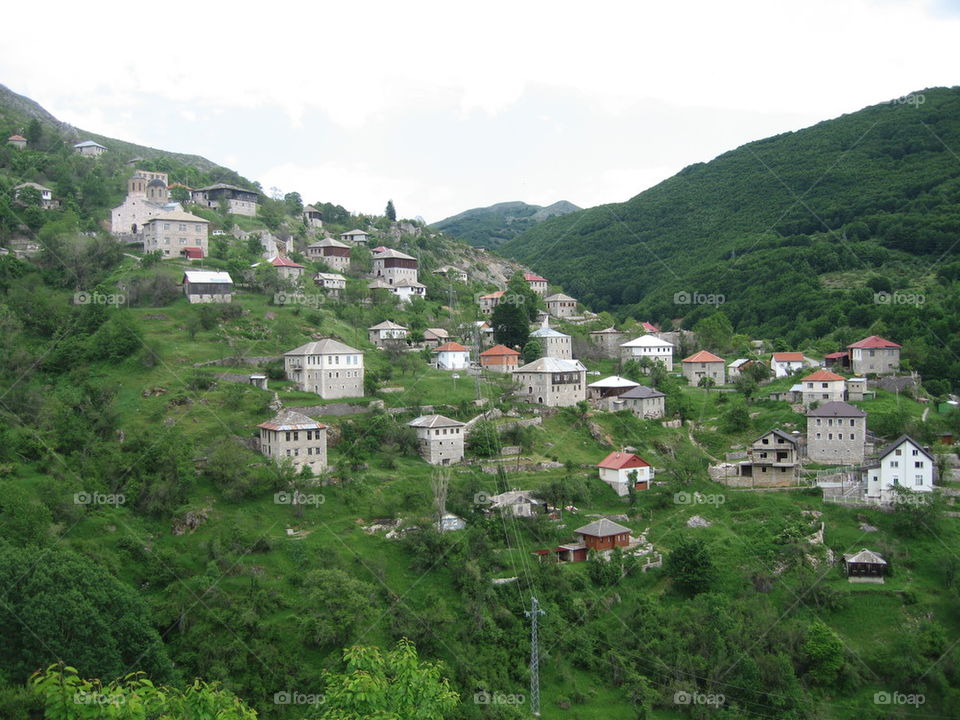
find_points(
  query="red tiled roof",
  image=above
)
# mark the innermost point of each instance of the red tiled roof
(788, 357)
(279, 261)
(622, 460)
(19, 138)
(874, 341)
(450, 347)
(498, 350)
(533, 277)
(822, 376)
(703, 356)
(649, 327)
(835, 356)
(491, 296)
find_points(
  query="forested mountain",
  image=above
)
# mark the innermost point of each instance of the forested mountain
(496, 224)
(787, 230)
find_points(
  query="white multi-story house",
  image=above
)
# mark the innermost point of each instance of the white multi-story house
(326, 367)
(333, 282)
(650, 347)
(177, 234)
(620, 469)
(537, 284)
(451, 356)
(903, 463)
(821, 387)
(357, 237)
(295, 437)
(387, 332)
(786, 363)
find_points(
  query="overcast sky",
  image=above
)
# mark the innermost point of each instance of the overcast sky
(444, 106)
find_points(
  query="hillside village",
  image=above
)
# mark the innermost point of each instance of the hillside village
(367, 389)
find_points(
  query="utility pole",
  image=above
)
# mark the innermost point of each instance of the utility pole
(534, 613)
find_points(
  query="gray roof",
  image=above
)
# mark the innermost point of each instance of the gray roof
(433, 421)
(837, 409)
(328, 242)
(354, 232)
(781, 434)
(559, 297)
(738, 362)
(552, 365)
(547, 332)
(898, 442)
(865, 556)
(386, 325)
(602, 528)
(391, 253)
(288, 419)
(88, 143)
(330, 276)
(608, 331)
(641, 392)
(177, 216)
(327, 346)
(514, 497)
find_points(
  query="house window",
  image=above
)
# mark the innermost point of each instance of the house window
(918, 479)
(915, 452)
(894, 463)
(898, 452)
(918, 464)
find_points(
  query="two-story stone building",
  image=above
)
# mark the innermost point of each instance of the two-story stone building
(333, 253)
(552, 382)
(821, 387)
(394, 267)
(177, 234)
(297, 438)
(875, 356)
(650, 347)
(553, 343)
(440, 438)
(704, 364)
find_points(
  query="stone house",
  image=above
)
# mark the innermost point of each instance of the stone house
(47, 201)
(89, 148)
(773, 458)
(206, 286)
(537, 284)
(644, 402)
(394, 267)
(326, 367)
(295, 437)
(240, 201)
(17, 141)
(874, 355)
(333, 282)
(387, 332)
(490, 301)
(604, 393)
(440, 438)
(621, 469)
(608, 341)
(434, 337)
(703, 364)
(836, 434)
(786, 363)
(500, 358)
(552, 342)
(823, 386)
(561, 306)
(856, 388)
(312, 217)
(650, 347)
(333, 253)
(287, 269)
(552, 382)
(177, 234)
(451, 356)
(903, 463)
(356, 237)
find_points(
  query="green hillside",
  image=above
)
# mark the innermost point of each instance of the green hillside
(491, 226)
(789, 230)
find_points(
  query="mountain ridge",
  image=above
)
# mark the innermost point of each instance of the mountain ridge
(495, 224)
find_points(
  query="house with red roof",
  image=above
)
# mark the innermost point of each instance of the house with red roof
(839, 360)
(620, 470)
(822, 387)
(649, 327)
(17, 141)
(704, 364)
(874, 356)
(500, 358)
(451, 356)
(537, 284)
(287, 269)
(786, 363)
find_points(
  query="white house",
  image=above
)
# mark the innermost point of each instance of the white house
(406, 290)
(333, 282)
(822, 387)
(386, 332)
(786, 363)
(357, 237)
(326, 367)
(904, 463)
(451, 356)
(650, 347)
(619, 469)
(88, 148)
(206, 286)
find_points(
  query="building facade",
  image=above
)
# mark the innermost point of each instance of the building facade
(561, 306)
(874, 355)
(440, 439)
(205, 286)
(621, 470)
(239, 201)
(821, 387)
(175, 233)
(552, 342)
(326, 367)
(295, 437)
(650, 347)
(704, 364)
(335, 254)
(644, 402)
(394, 267)
(903, 463)
(836, 434)
(552, 382)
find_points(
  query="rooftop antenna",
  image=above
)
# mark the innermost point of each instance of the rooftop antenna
(534, 613)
